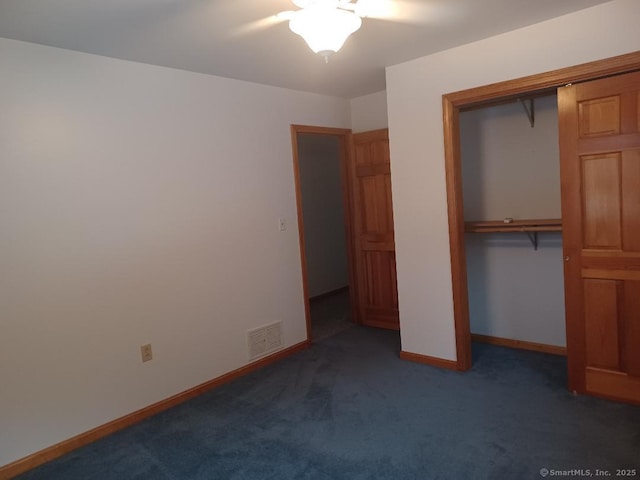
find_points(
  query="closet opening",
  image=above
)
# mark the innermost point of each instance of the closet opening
(510, 166)
(454, 105)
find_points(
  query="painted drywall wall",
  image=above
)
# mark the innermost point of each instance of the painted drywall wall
(323, 213)
(414, 101)
(510, 169)
(138, 204)
(369, 112)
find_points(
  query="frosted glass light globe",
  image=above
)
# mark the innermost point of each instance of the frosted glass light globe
(324, 27)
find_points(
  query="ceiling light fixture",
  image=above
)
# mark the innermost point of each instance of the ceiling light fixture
(324, 24)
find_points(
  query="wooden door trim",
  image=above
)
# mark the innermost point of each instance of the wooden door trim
(344, 136)
(491, 94)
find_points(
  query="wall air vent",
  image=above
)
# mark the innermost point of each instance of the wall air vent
(265, 340)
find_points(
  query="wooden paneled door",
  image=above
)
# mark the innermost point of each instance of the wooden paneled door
(600, 172)
(374, 248)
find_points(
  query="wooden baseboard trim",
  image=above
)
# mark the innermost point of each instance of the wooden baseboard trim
(50, 453)
(330, 293)
(521, 344)
(433, 361)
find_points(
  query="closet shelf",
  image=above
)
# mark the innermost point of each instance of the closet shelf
(544, 225)
(530, 227)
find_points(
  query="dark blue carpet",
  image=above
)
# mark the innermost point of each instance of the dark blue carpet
(349, 408)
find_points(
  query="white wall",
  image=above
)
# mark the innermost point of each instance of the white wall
(510, 169)
(137, 204)
(414, 94)
(323, 213)
(369, 112)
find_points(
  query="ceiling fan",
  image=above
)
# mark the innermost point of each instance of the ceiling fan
(325, 25)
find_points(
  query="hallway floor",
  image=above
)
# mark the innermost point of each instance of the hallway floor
(330, 315)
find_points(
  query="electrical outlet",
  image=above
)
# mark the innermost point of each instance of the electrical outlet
(146, 352)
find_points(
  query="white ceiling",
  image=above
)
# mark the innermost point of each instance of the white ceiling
(240, 39)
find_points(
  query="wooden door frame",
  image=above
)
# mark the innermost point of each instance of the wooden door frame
(493, 94)
(344, 136)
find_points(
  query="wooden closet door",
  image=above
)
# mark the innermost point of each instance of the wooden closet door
(373, 228)
(599, 124)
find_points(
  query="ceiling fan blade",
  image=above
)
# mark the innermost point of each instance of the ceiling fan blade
(286, 15)
(264, 23)
(402, 11)
(324, 3)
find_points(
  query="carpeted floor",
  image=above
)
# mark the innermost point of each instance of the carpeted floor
(349, 408)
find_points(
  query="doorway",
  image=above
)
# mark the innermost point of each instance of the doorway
(324, 220)
(320, 157)
(365, 170)
(491, 94)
